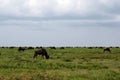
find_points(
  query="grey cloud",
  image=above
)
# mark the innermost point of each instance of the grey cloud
(109, 7)
(98, 11)
(95, 9)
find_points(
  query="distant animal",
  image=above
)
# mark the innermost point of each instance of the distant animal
(30, 48)
(21, 49)
(12, 47)
(42, 52)
(52, 47)
(107, 49)
(61, 47)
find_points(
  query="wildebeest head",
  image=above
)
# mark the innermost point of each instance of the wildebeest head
(42, 52)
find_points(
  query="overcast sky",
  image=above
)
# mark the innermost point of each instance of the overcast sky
(59, 22)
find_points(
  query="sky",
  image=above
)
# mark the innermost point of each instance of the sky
(59, 22)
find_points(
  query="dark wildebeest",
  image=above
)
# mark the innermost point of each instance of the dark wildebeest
(12, 47)
(52, 47)
(30, 48)
(107, 49)
(62, 48)
(42, 52)
(21, 49)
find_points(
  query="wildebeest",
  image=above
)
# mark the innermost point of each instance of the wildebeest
(30, 48)
(90, 47)
(42, 52)
(107, 49)
(21, 49)
(12, 47)
(52, 47)
(62, 48)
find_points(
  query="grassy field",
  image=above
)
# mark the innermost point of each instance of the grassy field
(64, 64)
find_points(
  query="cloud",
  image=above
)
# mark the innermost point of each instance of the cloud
(46, 12)
(47, 8)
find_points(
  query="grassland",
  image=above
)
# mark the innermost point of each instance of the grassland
(64, 64)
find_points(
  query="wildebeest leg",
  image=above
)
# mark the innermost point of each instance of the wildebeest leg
(103, 51)
(42, 56)
(35, 55)
(109, 51)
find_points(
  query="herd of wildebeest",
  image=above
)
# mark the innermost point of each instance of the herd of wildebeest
(42, 51)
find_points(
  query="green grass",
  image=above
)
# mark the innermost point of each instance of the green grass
(64, 64)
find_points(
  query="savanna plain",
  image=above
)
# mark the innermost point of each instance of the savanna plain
(70, 63)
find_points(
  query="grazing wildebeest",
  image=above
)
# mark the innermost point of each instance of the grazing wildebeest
(30, 48)
(107, 49)
(12, 47)
(90, 47)
(42, 52)
(21, 49)
(52, 47)
(61, 47)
